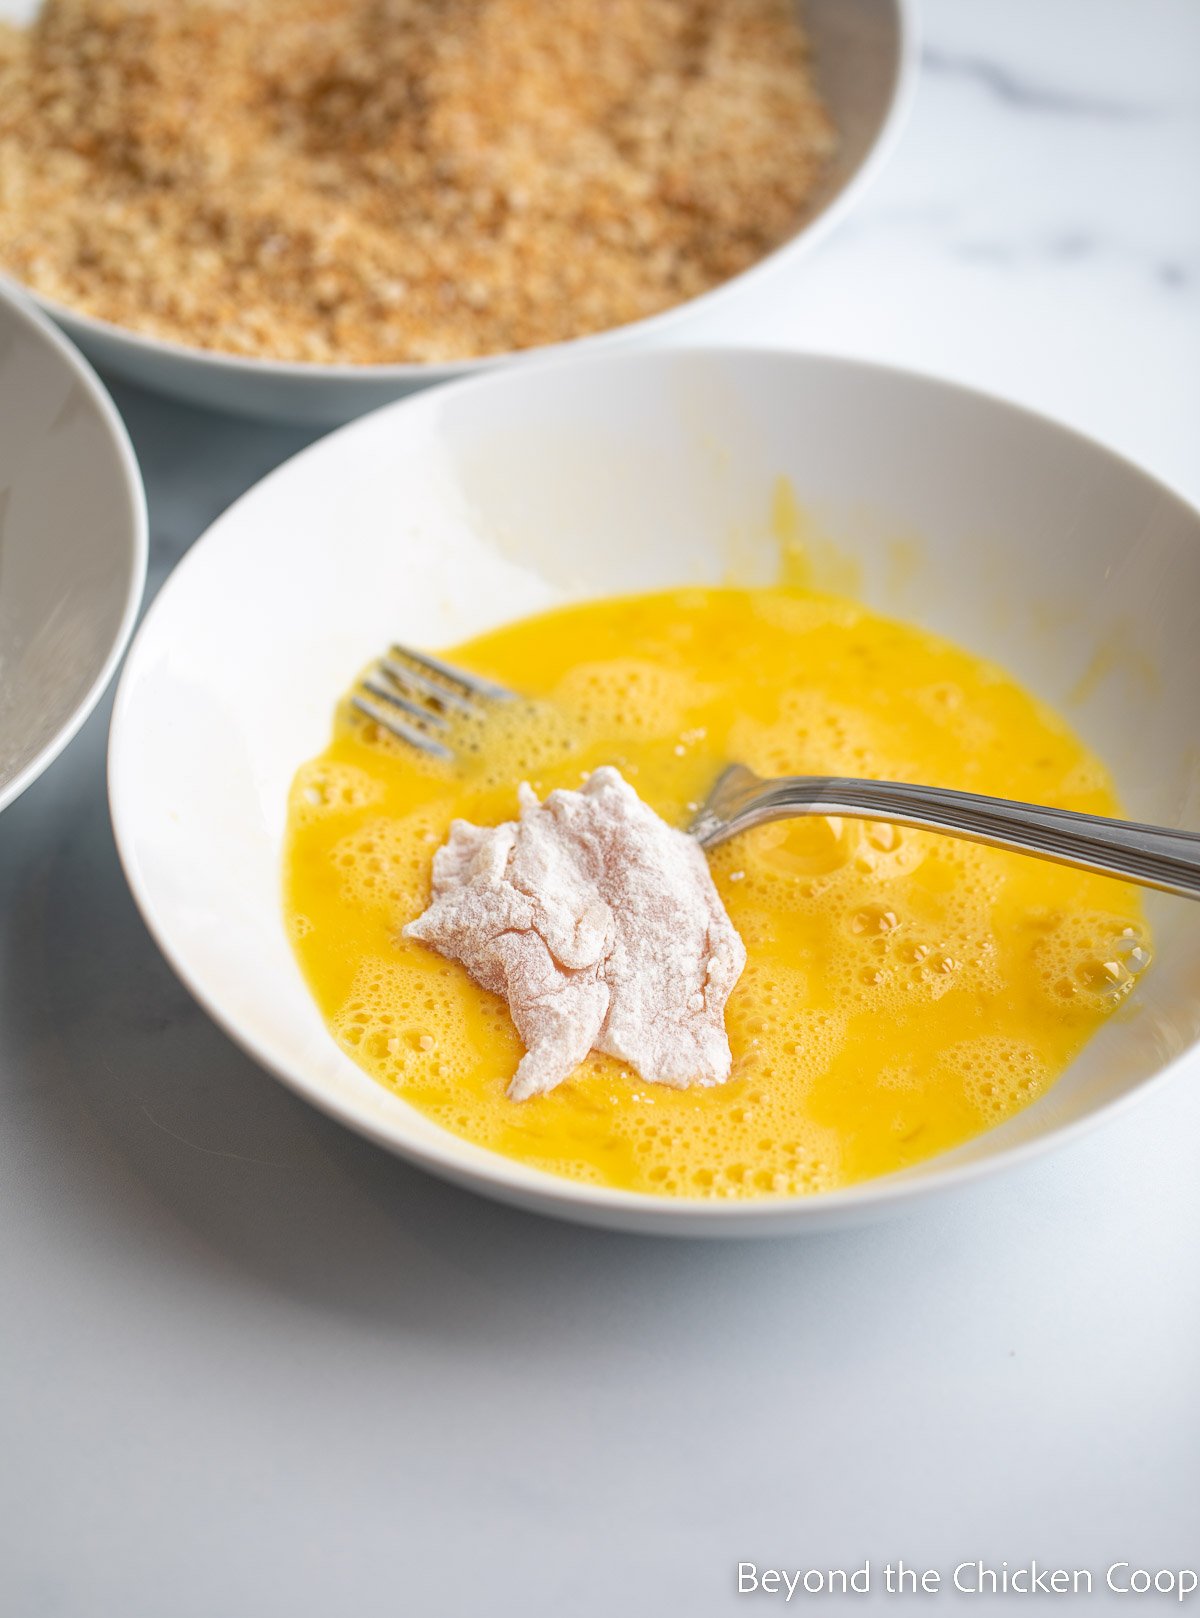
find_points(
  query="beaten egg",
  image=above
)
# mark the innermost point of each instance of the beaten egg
(903, 992)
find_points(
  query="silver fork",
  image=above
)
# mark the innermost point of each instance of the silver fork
(428, 692)
(414, 696)
(1154, 856)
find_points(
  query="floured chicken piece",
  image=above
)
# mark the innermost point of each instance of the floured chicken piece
(600, 926)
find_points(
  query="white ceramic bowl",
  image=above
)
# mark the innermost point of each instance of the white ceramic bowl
(462, 507)
(72, 542)
(865, 51)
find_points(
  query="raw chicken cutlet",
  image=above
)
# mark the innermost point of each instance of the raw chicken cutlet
(600, 926)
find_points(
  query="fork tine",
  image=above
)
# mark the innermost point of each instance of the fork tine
(407, 733)
(474, 683)
(413, 680)
(427, 716)
(419, 685)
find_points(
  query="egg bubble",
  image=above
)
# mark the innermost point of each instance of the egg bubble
(635, 698)
(327, 787)
(408, 1019)
(387, 862)
(896, 1078)
(998, 1075)
(523, 740)
(798, 614)
(875, 919)
(1089, 961)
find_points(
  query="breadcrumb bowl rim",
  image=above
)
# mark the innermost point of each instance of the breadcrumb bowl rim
(331, 392)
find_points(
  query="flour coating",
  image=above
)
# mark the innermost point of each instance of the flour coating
(601, 927)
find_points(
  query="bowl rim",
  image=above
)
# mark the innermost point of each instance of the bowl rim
(899, 102)
(502, 1178)
(23, 307)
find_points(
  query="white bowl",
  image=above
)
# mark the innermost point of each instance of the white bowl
(72, 542)
(462, 507)
(865, 53)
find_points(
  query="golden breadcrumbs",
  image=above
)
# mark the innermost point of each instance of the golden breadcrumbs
(374, 180)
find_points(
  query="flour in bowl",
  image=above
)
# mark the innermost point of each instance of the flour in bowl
(601, 927)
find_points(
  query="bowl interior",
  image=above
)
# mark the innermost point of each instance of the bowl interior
(72, 542)
(467, 506)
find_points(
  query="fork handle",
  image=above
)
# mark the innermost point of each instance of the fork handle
(1154, 856)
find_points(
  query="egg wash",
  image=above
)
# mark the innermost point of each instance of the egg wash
(903, 991)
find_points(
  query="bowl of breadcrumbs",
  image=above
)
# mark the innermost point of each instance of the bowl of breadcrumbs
(302, 208)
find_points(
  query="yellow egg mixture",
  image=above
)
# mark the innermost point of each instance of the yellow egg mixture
(903, 992)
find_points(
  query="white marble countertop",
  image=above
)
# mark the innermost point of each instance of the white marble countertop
(251, 1365)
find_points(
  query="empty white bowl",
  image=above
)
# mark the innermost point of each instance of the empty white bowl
(465, 506)
(865, 51)
(72, 542)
